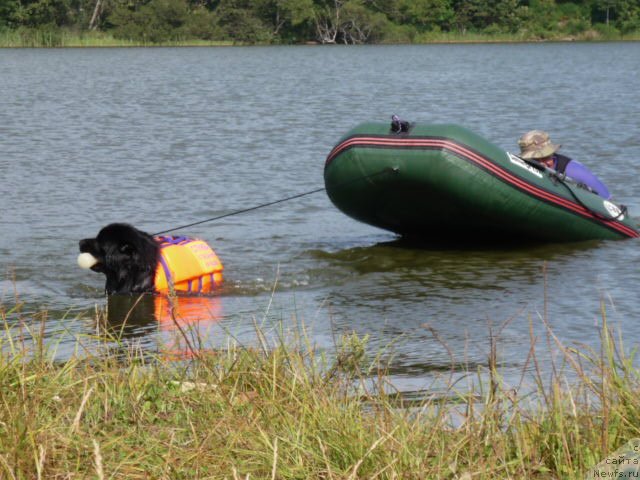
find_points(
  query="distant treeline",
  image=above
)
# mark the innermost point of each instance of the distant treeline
(323, 21)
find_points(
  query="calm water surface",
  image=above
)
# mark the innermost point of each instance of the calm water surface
(164, 137)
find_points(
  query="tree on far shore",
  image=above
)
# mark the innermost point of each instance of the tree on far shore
(323, 21)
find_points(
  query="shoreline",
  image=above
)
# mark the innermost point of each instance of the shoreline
(286, 410)
(64, 39)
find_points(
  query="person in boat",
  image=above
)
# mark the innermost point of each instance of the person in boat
(536, 145)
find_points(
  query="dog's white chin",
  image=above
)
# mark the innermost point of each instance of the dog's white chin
(86, 260)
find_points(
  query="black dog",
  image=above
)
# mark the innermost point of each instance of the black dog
(127, 256)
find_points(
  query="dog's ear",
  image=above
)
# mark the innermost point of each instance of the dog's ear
(127, 249)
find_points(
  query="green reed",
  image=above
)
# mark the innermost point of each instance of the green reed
(288, 411)
(53, 37)
(56, 37)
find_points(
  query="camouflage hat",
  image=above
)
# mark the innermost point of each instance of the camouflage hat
(536, 144)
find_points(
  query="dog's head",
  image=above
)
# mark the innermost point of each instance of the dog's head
(127, 256)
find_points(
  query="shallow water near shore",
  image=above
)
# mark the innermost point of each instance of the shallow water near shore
(165, 137)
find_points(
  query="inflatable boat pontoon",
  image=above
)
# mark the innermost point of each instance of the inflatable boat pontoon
(444, 181)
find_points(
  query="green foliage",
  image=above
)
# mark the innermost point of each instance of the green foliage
(606, 32)
(202, 24)
(44, 13)
(425, 14)
(395, 33)
(326, 21)
(156, 21)
(361, 25)
(239, 23)
(622, 14)
(8, 9)
(284, 17)
(538, 15)
(497, 15)
(348, 21)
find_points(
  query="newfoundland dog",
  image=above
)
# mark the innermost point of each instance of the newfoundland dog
(127, 256)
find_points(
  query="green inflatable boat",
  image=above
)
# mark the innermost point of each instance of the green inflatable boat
(445, 182)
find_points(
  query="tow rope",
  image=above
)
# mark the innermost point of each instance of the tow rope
(567, 183)
(281, 200)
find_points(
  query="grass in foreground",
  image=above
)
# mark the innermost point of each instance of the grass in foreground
(283, 412)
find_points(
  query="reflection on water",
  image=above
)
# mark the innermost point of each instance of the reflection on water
(431, 308)
(177, 325)
(407, 269)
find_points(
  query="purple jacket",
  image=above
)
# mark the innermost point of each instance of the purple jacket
(581, 174)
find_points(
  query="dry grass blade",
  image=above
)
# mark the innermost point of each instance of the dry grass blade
(375, 445)
(97, 459)
(76, 421)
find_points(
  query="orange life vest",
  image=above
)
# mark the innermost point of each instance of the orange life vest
(187, 265)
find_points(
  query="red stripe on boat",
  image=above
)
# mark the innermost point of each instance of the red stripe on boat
(464, 152)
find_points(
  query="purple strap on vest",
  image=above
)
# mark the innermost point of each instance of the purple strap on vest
(166, 241)
(170, 240)
(167, 271)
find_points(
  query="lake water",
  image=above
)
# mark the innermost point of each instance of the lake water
(162, 137)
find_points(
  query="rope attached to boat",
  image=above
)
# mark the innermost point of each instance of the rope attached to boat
(563, 179)
(393, 170)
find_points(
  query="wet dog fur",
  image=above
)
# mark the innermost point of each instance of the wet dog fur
(127, 256)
